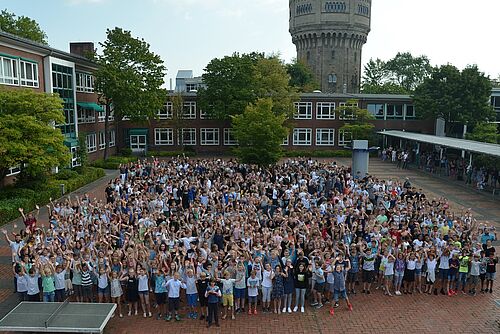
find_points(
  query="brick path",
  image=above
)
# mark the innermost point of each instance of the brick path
(372, 314)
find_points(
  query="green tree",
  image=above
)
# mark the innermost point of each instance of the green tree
(457, 97)
(22, 26)
(129, 78)
(356, 121)
(485, 132)
(301, 76)
(408, 71)
(260, 133)
(234, 82)
(375, 73)
(81, 152)
(29, 138)
(385, 88)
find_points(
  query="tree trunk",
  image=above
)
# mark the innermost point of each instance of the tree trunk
(106, 130)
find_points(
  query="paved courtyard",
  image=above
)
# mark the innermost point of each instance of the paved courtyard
(372, 314)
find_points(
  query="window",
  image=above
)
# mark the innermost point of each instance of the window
(190, 87)
(332, 78)
(347, 114)
(102, 140)
(335, 6)
(75, 159)
(8, 71)
(112, 138)
(209, 136)
(325, 110)
(187, 137)
(84, 82)
(164, 136)
(229, 138)
(394, 111)
(304, 110)
(376, 110)
(29, 73)
(101, 116)
(410, 111)
(166, 111)
(91, 143)
(86, 116)
(345, 138)
(14, 170)
(189, 110)
(62, 84)
(301, 136)
(325, 137)
(285, 141)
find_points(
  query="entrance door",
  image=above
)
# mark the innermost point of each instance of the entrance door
(138, 143)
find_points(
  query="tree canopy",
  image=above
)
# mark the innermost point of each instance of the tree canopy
(399, 75)
(22, 26)
(29, 139)
(456, 96)
(129, 77)
(260, 133)
(485, 132)
(234, 82)
(356, 121)
(301, 76)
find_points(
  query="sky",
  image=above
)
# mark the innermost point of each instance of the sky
(187, 34)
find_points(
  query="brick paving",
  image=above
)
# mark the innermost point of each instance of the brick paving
(372, 314)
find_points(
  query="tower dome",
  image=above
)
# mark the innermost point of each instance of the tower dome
(329, 37)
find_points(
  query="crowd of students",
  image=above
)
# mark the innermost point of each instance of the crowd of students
(217, 232)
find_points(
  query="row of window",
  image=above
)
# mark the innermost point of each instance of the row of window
(18, 72)
(91, 141)
(391, 110)
(363, 10)
(335, 6)
(304, 9)
(210, 136)
(188, 111)
(324, 110)
(86, 116)
(84, 82)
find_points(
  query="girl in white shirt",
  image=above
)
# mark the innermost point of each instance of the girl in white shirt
(388, 272)
(267, 286)
(143, 281)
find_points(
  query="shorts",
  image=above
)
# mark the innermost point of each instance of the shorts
(490, 276)
(34, 298)
(409, 275)
(482, 277)
(102, 291)
(351, 276)
(87, 291)
(337, 293)
(418, 272)
(389, 277)
(173, 304)
(368, 276)
(239, 293)
(228, 300)
(143, 293)
(330, 287)
(474, 279)
(252, 299)
(78, 290)
(161, 298)
(192, 299)
(452, 276)
(319, 287)
(443, 273)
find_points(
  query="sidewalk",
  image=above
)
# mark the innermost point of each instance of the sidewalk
(7, 299)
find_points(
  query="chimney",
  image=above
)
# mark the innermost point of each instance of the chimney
(84, 49)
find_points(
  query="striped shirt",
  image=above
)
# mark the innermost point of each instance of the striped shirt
(86, 279)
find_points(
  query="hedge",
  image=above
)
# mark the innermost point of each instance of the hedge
(170, 153)
(14, 197)
(113, 162)
(318, 153)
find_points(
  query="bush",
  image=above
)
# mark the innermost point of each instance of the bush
(14, 197)
(318, 153)
(170, 153)
(126, 152)
(113, 162)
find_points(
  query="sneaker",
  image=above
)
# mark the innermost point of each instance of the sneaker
(150, 315)
(332, 311)
(129, 313)
(319, 306)
(442, 292)
(367, 292)
(302, 309)
(283, 310)
(121, 315)
(144, 315)
(353, 291)
(135, 312)
(295, 309)
(491, 290)
(314, 303)
(168, 318)
(450, 293)
(195, 315)
(158, 317)
(289, 310)
(254, 311)
(232, 317)
(177, 318)
(336, 305)
(350, 307)
(249, 312)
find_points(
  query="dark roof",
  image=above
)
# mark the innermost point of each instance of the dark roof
(39, 47)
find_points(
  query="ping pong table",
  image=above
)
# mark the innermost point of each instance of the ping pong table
(58, 317)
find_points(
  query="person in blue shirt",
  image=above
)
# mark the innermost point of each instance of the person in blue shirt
(213, 294)
(487, 236)
(161, 292)
(174, 286)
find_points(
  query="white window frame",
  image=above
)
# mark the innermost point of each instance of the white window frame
(84, 82)
(189, 110)
(14, 170)
(330, 110)
(101, 116)
(112, 138)
(85, 116)
(12, 80)
(286, 141)
(91, 140)
(342, 114)
(160, 132)
(229, 139)
(25, 81)
(406, 110)
(166, 112)
(331, 137)
(75, 159)
(343, 141)
(303, 110)
(205, 132)
(102, 140)
(192, 137)
(298, 132)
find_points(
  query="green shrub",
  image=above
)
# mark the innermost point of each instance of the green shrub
(12, 198)
(126, 152)
(170, 153)
(318, 153)
(113, 162)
